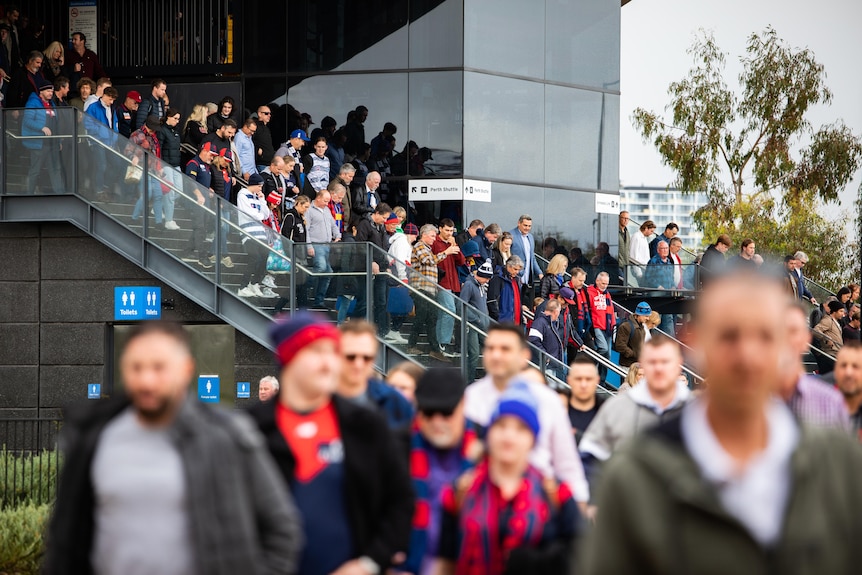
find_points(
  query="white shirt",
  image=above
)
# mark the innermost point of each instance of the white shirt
(639, 248)
(757, 494)
(554, 454)
(528, 259)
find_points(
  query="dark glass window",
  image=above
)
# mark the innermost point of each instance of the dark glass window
(582, 42)
(385, 96)
(436, 119)
(347, 35)
(265, 44)
(505, 36)
(504, 128)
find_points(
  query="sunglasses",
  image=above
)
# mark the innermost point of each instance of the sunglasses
(266, 113)
(351, 357)
(429, 413)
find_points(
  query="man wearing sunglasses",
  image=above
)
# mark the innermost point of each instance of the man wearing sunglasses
(442, 447)
(358, 382)
(263, 147)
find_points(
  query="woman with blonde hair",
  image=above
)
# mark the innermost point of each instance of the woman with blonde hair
(194, 132)
(54, 63)
(554, 278)
(502, 250)
(635, 374)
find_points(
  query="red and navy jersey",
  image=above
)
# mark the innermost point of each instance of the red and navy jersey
(318, 487)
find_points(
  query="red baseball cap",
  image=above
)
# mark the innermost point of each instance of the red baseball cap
(134, 95)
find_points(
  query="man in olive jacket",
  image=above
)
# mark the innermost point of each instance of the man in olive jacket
(734, 485)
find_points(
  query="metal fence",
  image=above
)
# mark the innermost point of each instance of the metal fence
(29, 461)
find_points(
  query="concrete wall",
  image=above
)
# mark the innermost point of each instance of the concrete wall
(56, 309)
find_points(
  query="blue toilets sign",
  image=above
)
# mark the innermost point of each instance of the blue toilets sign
(136, 303)
(94, 391)
(208, 388)
(243, 390)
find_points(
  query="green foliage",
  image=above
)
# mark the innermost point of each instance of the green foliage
(21, 538)
(717, 141)
(28, 479)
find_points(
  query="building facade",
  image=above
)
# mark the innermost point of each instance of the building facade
(664, 205)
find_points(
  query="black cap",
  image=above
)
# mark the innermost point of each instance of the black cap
(440, 389)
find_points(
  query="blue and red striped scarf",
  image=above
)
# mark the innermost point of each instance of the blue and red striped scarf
(420, 471)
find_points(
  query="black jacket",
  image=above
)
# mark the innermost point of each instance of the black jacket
(293, 226)
(253, 530)
(380, 497)
(263, 141)
(169, 139)
(367, 231)
(359, 204)
(149, 106)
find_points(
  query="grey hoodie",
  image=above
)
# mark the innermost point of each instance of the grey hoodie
(626, 415)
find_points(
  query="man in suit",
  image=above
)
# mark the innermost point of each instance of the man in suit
(524, 246)
(366, 198)
(802, 259)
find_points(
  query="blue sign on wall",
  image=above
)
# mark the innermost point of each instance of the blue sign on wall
(243, 390)
(208, 388)
(94, 391)
(135, 303)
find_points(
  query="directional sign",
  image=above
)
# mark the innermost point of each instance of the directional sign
(449, 189)
(208, 388)
(135, 303)
(243, 390)
(94, 391)
(607, 204)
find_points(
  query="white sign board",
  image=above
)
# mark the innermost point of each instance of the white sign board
(477, 191)
(84, 18)
(450, 189)
(607, 204)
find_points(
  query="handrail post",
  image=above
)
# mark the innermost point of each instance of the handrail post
(217, 240)
(369, 285)
(75, 154)
(465, 359)
(145, 180)
(4, 163)
(294, 269)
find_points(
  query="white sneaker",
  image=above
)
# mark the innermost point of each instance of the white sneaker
(256, 289)
(267, 292)
(269, 282)
(394, 337)
(172, 225)
(246, 292)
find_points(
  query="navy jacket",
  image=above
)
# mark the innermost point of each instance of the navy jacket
(545, 335)
(394, 407)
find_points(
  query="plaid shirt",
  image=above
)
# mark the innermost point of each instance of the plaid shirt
(424, 261)
(817, 404)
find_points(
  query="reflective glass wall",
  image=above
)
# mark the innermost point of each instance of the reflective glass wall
(523, 95)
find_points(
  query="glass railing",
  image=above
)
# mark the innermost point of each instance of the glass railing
(234, 250)
(662, 279)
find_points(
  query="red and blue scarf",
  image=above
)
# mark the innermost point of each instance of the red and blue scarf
(420, 472)
(482, 515)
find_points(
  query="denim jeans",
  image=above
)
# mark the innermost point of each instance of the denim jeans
(667, 324)
(603, 348)
(155, 200)
(320, 264)
(445, 322)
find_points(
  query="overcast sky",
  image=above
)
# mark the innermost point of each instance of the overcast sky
(656, 34)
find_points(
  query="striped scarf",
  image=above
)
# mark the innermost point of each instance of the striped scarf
(420, 472)
(484, 549)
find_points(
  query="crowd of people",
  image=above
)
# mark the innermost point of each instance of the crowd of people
(336, 471)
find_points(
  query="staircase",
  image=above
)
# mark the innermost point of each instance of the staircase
(98, 200)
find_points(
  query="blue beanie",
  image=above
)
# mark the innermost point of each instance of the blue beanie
(470, 249)
(289, 335)
(518, 401)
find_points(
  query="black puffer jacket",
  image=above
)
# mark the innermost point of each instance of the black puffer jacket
(169, 139)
